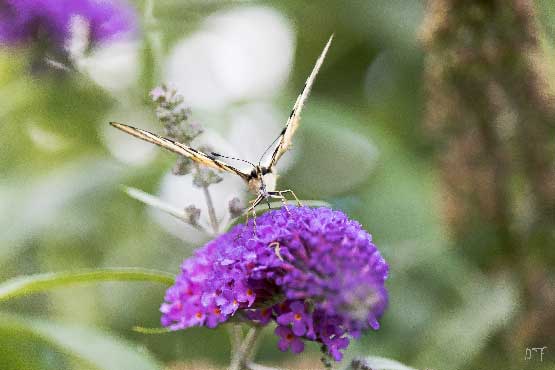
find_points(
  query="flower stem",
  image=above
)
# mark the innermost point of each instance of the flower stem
(245, 351)
(235, 334)
(211, 210)
(153, 36)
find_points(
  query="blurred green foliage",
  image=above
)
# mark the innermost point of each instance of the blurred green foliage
(63, 209)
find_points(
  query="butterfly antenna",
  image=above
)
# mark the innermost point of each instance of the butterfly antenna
(236, 159)
(271, 146)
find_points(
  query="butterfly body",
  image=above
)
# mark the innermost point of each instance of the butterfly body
(261, 179)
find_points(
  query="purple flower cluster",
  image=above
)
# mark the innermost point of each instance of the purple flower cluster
(28, 20)
(311, 270)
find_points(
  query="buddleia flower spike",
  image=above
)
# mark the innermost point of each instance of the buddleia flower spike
(326, 285)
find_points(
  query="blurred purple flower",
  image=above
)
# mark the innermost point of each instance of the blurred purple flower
(24, 21)
(313, 271)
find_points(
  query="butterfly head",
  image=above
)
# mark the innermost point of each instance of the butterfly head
(262, 180)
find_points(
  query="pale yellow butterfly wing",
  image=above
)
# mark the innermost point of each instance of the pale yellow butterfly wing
(283, 142)
(181, 149)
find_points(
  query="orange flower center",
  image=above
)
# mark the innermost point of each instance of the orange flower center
(289, 336)
(217, 311)
(298, 316)
(198, 315)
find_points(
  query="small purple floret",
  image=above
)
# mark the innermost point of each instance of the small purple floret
(313, 271)
(288, 340)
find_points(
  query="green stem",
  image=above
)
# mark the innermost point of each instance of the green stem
(244, 353)
(153, 36)
(235, 334)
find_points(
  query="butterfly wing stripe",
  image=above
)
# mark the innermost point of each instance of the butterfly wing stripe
(294, 118)
(179, 148)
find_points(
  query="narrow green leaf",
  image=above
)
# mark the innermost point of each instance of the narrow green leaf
(96, 349)
(376, 363)
(143, 330)
(155, 202)
(253, 366)
(26, 285)
(263, 207)
(277, 204)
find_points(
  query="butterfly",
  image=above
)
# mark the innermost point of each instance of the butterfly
(261, 179)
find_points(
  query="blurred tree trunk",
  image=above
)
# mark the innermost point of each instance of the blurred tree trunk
(491, 112)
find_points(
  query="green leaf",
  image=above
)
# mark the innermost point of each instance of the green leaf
(253, 366)
(143, 330)
(376, 363)
(93, 348)
(456, 337)
(26, 285)
(159, 204)
(29, 208)
(340, 155)
(263, 208)
(155, 202)
(277, 204)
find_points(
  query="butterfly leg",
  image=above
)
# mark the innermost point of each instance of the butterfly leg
(293, 194)
(277, 248)
(253, 222)
(247, 214)
(278, 195)
(252, 210)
